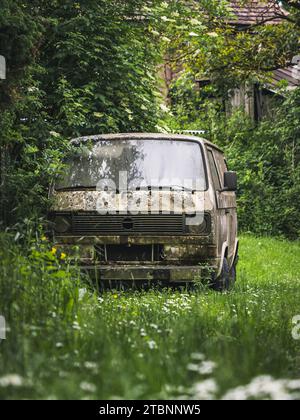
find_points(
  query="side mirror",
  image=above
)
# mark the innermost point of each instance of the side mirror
(230, 181)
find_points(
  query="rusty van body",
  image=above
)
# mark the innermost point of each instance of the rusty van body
(170, 216)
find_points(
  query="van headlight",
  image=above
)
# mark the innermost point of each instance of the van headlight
(62, 224)
(198, 224)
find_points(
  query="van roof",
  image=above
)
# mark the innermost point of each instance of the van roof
(145, 136)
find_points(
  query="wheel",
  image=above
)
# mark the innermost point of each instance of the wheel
(232, 274)
(233, 270)
(226, 279)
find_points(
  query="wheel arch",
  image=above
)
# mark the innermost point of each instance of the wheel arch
(224, 254)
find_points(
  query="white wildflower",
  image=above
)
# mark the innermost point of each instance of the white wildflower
(82, 293)
(213, 34)
(11, 380)
(152, 345)
(203, 368)
(88, 387)
(195, 22)
(205, 390)
(193, 367)
(206, 367)
(90, 365)
(76, 326)
(164, 108)
(143, 332)
(266, 387)
(54, 134)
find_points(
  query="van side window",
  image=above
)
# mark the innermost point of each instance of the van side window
(226, 165)
(214, 171)
(221, 163)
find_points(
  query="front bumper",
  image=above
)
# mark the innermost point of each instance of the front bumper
(171, 274)
(186, 258)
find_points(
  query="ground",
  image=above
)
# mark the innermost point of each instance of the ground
(159, 343)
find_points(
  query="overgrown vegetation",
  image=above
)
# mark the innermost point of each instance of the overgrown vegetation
(74, 68)
(266, 155)
(64, 341)
(90, 67)
(226, 56)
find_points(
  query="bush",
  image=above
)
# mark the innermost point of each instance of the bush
(85, 68)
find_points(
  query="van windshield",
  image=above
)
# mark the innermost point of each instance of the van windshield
(133, 164)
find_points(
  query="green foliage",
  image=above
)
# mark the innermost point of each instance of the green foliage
(65, 342)
(19, 39)
(88, 67)
(267, 160)
(100, 66)
(36, 283)
(206, 41)
(265, 155)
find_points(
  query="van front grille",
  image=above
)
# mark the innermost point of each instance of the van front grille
(95, 224)
(126, 253)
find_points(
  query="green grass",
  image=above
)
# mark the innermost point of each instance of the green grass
(67, 342)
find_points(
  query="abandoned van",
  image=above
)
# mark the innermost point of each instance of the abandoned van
(148, 207)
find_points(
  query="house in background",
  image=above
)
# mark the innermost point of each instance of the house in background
(256, 99)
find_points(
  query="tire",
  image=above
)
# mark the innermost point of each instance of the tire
(226, 279)
(232, 273)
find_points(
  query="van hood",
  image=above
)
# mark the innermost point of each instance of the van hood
(138, 201)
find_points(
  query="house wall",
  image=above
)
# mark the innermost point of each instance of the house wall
(242, 97)
(256, 100)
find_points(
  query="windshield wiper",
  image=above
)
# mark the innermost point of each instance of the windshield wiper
(149, 188)
(182, 188)
(166, 188)
(85, 188)
(75, 187)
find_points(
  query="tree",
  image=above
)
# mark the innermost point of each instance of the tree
(210, 46)
(74, 68)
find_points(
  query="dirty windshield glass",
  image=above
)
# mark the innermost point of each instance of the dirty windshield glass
(136, 163)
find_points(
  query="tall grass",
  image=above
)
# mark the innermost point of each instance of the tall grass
(66, 341)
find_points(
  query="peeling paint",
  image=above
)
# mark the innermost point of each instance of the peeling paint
(133, 202)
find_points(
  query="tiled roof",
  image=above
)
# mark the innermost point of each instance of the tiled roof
(256, 12)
